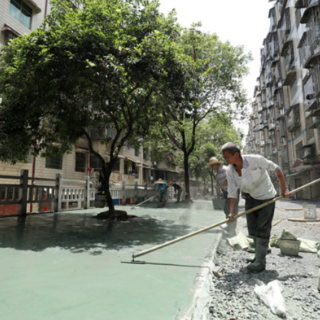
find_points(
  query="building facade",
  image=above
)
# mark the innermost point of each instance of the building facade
(285, 123)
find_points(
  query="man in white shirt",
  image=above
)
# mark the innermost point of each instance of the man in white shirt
(249, 173)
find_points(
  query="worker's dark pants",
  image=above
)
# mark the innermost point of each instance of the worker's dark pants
(259, 221)
(179, 195)
(231, 225)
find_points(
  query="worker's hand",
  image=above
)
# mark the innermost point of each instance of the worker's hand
(231, 217)
(286, 193)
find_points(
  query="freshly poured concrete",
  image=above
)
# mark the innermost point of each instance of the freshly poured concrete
(68, 265)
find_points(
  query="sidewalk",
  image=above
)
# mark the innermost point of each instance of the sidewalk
(233, 296)
(67, 266)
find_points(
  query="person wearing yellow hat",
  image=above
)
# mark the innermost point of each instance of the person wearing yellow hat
(222, 185)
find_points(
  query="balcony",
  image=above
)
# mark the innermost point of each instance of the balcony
(302, 4)
(315, 123)
(272, 126)
(307, 13)
(294, 125)
(308, 151)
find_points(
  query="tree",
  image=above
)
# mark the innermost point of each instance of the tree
(216, 71)
(99, 67)
(213, 133)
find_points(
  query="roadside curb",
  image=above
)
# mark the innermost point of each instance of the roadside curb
(198, 301)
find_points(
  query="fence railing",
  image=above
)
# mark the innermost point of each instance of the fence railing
(55, 195)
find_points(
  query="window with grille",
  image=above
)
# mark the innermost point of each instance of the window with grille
(294, 88)
(160, 175)
(54, 162)
(146, 174)
(310, 132)
(299, 150)
(20, 11)
(137, 151)
(95, 163)
(80, 162)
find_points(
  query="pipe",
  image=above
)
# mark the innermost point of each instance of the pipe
(218, 224)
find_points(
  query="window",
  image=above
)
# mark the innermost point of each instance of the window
(146, 174)
(146, 153)
(116, 166)
(20, 11)
(137, 151)
(54, 162)
(293, 88)
(128, 167)
(95, 163)
(80, 162)
(9, 36)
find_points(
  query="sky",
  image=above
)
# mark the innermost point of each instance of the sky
(243, 22)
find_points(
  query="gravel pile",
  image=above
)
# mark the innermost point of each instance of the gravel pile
(233, 294)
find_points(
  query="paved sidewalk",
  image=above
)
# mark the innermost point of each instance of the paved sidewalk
(67, 266)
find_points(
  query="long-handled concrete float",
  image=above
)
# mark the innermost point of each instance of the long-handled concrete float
(142, 253)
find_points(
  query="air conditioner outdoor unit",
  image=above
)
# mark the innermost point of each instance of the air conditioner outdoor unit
(151, 178)
(307, 153)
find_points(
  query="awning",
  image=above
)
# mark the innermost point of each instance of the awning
(312, 60)
(303, 38)
(290, 76)
(33, 5)
(286, 45)
(121, 156)
(82, 149)
(6, 27)
(305, 16)
(310, 145)
(292, 107)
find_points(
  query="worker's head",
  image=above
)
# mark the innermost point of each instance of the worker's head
(214, 163)
(231, 152)
(160, 182)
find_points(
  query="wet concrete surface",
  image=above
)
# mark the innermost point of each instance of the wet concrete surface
(233, 294)
(68, 265)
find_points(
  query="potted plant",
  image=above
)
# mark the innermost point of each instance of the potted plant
(100, 196)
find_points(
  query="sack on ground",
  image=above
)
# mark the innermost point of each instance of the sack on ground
(240, 241)
(271, 296)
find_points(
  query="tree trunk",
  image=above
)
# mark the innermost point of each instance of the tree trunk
(107, 174)
(186, 174)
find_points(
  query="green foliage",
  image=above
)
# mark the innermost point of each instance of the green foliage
(102, 66)
(214, 88)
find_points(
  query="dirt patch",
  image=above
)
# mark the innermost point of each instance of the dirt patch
(119, 215)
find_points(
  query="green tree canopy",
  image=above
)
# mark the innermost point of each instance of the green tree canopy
(101, 66)
(216, 71)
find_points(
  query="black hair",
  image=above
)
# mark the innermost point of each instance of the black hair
(231, 147)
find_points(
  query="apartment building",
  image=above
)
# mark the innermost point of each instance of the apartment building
(285, 120)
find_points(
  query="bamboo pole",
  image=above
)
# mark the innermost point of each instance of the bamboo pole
(142, 253)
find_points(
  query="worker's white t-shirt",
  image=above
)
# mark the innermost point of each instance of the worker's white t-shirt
(255, 179)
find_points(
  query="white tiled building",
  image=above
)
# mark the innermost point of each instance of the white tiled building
(284, 125)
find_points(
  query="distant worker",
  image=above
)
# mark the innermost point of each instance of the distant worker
(162, 191)
(250, 174)
(179, 189)
(222, 184)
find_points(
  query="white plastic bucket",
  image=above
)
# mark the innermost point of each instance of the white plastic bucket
(309, 211)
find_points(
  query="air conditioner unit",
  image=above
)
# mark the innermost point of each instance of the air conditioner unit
(151, 178)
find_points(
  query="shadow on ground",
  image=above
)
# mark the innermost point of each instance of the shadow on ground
(80, 232)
